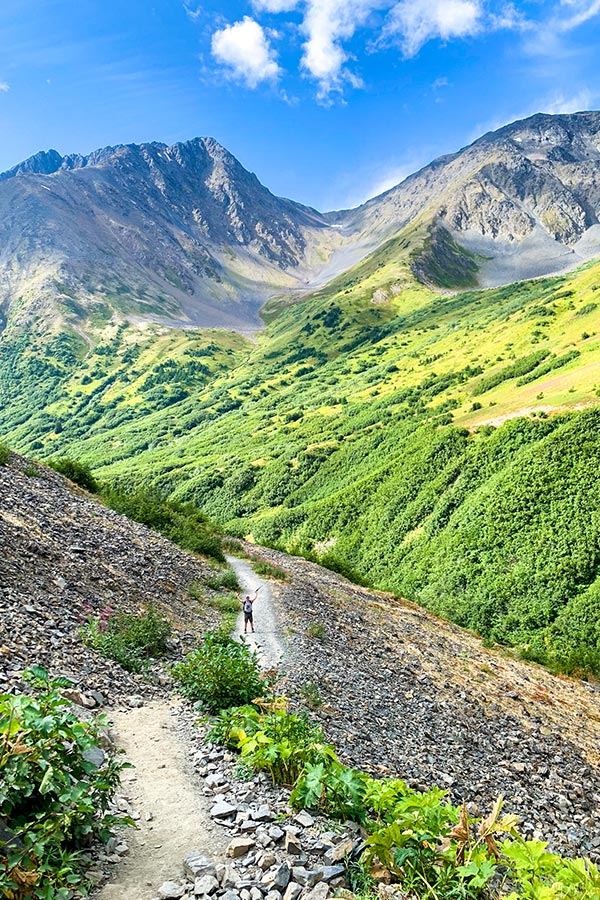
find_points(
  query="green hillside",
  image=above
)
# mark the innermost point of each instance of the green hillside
(441, 446)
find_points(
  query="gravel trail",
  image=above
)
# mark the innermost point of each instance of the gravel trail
(267, 640)
(163, 789)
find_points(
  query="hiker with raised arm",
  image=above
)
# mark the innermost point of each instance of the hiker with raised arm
(247, 604)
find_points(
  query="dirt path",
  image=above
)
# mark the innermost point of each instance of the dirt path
(267, 638)
(163, 789)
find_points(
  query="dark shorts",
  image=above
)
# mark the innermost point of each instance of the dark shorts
(247, 617)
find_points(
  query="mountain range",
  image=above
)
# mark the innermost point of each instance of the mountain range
(185, 235)
(398, 418)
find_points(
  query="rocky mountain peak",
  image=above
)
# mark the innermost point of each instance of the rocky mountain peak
(46, 162)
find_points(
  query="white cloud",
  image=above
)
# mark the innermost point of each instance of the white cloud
(4, 87)
(274, 6)
(415, 22)
(192, 10)
(244, 49)
(569, 103)
(326, 24)
(581, 11)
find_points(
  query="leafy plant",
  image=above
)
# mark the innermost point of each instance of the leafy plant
(225, 579)
(182, 523)
(309, 692)
(283, 744)
(220, 674)
(129, 639)
(56, 784)
(262, 567)
(315, 630)
(332, 788)
(75, 471)
(4, 454)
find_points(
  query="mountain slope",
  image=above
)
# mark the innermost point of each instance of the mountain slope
(183, 233)
(525, 199)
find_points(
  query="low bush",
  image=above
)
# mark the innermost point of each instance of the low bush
(315, 630)
(75, 471)
(56, 784)
(226, 579)
(221, 673)
(4, 454)
(181, 523)
(129, 639)
(262, 567)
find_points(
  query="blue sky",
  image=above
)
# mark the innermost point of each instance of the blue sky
(328, 101)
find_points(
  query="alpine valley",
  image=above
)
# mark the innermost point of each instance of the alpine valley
(407, 392)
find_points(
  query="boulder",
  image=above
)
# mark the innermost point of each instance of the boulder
(239, 846)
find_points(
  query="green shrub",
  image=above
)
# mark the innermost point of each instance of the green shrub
(55, 789)
(181, 523)
(226, 579)
(220, 674)
(262, 567)
(129, 639)
(75, 471)
(315, 630)
(4, 454)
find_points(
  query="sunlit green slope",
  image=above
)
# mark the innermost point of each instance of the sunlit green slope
(443, 446)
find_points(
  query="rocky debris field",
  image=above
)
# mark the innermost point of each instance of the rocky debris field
(272, 852)
(63, 557)
(399, 691)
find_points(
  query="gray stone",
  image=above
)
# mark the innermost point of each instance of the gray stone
(293, 845)
(339, 852)
(94, 755)
(273, 895)
(263, 814)
(223, 810)
(214, 779)
(135, 702)
(319, 892)
(304, 819)
(277, 878)
(275, 833)
(307, 877)
(230, 895)
(220, 870)
(266, 860)
(207, 884)
(196, 864)
(330, 873)
(255, 893)
(170, 890)
(229, 879)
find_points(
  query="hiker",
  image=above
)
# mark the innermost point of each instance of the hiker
(247, 603)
